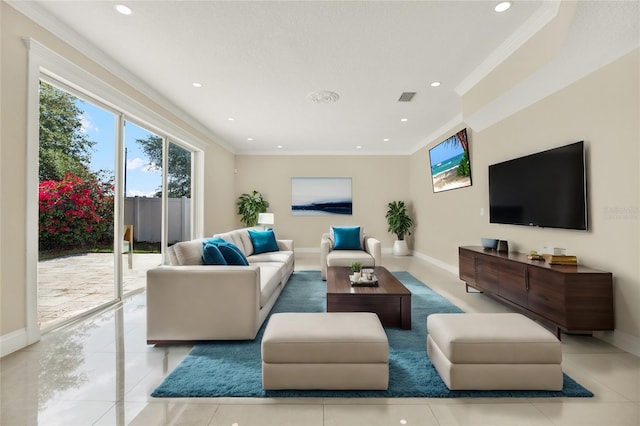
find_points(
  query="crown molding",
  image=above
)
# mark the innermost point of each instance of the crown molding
(535, 23)
(456, 120)
(41, 17)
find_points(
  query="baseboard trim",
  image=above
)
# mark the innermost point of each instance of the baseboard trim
(13, 341)
(625, 341)
(436, 262)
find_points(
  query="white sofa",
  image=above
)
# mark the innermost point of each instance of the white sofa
(188, 301)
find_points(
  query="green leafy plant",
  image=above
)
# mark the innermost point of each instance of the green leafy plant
(249, 206)
(356, 266)
(398, 220)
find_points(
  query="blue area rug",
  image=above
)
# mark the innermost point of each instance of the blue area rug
(233, 368)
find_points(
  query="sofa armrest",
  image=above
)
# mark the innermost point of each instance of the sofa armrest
(374, 248)
(285, 245)
(202, 302)
(326, 245)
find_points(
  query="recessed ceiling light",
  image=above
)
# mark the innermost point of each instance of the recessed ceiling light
(435, 84)
(385, 140)
(358, 146)
(501, 7)
(121, 8)
(249, 139)
(196, 84)
(404, 119)
(279, 147)
(231, 119)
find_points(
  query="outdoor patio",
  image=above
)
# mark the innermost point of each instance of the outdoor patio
(70, 285)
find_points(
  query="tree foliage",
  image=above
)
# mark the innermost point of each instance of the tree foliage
(179, 162)
(64, 147)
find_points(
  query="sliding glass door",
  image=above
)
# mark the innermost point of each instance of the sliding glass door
(76, 270)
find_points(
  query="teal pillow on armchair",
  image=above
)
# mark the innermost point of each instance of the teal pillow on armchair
(346, 238)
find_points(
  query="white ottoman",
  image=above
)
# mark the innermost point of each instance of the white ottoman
(328, 350)
(494, 352)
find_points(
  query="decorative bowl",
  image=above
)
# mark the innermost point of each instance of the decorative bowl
(489, 243)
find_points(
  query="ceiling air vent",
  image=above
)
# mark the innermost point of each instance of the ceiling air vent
(406, 96)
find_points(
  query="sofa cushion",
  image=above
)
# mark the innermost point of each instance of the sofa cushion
(346, 238)
(346, 257)
(240, 238)
(282, 256)
(271, 275)
(188, 252)
(232, 254)
(263, 241)
(211, 254)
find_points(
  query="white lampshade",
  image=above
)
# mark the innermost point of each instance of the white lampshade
(266, 219)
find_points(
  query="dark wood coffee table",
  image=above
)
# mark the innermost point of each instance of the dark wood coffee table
(390, 299)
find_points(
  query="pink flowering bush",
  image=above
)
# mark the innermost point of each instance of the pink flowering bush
(75, 212)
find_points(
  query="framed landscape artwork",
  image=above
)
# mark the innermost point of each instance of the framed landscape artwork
(450, 165)
(312, 196)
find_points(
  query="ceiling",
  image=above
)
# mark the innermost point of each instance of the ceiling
(258, 61)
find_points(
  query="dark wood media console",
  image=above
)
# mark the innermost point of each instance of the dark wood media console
(571, 298)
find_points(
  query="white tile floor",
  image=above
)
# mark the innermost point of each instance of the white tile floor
(100, 371)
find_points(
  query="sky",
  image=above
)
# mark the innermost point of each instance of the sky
(143, 179)
(444, 151)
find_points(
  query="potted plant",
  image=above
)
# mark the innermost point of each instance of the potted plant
(356, 267)
(249, 206)
(400, 225)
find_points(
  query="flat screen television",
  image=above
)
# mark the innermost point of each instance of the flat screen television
(547, 189)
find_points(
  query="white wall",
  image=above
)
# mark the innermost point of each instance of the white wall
(602, 109)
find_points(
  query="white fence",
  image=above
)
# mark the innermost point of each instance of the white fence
(146, 216)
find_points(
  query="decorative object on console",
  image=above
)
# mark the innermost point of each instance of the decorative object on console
(503, 246)
(321, 196)
(489, 243)
(450, 164)
(399, 224)
(250, 206)
(556, 259)
(265, 219)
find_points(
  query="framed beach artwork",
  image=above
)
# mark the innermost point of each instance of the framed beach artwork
(311, 196)
(450, 165)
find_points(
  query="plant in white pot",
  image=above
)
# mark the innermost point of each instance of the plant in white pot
(400, 225)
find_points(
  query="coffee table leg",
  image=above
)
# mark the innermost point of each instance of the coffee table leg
(405, 312)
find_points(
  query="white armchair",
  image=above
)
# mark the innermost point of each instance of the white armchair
(369, 256)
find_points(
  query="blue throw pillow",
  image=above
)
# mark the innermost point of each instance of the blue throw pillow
(263, 241)
(231, 253)
(211, 254)
(346, 238)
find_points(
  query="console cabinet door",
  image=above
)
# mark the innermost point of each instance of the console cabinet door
(487, 274)
(513, 281)
(547, 295)
(467, 266)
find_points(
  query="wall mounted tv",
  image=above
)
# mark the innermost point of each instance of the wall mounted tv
(546, 189)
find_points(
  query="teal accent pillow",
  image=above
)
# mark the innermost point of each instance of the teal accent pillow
(263, 241)
(211, 254)
(231, 253)
(346, 238)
